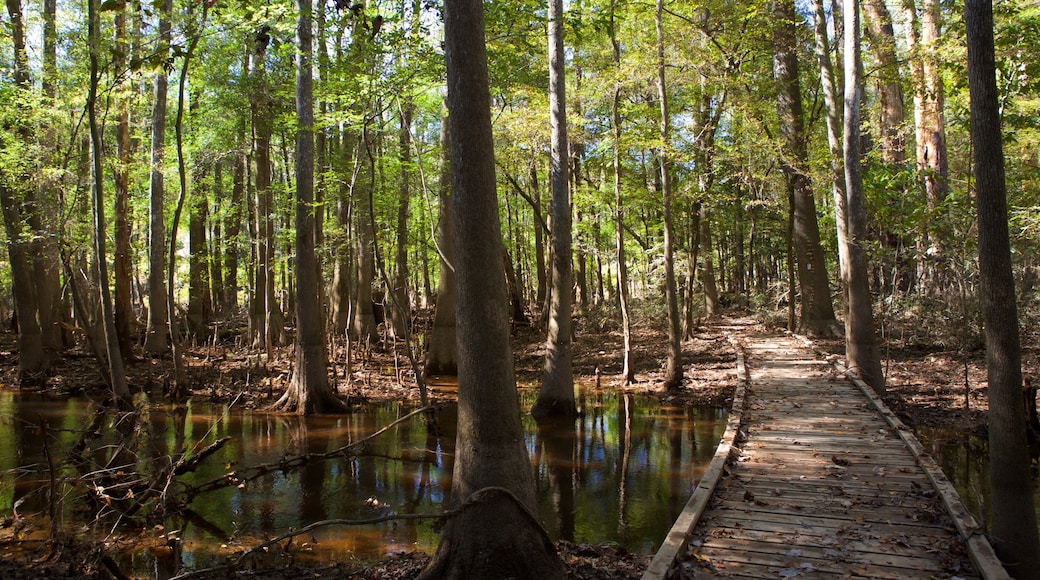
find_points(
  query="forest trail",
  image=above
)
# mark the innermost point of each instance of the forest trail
(823, 481)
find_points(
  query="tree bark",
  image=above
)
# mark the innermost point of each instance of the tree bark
(53, 307)
(216, 245)
(711, 292)
(881, 34)
(309, 390)
(922, 34)
(32, 358)
(817, 315)
(861, 348)
(117, 373)
(342, 256)
(831, 98)
(556, 396)
(157, 330)
(124, 314)
(440, 355)
(673, 374)
(266, 317)
(364, 325)
(199, 307)
(401, 311)
(628, 375)
(1014, 533)
(494, 534)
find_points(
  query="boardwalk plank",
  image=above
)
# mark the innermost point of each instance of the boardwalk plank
(822, 483)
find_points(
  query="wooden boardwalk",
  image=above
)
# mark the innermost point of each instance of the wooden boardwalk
(822, 481)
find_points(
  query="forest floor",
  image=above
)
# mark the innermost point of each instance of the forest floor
(926, 386)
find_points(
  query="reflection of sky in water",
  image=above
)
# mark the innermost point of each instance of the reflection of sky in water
(402, 471)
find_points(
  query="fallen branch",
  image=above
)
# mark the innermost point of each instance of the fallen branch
(243, 476)
(474, 498)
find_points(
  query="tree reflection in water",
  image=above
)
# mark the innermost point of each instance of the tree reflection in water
(618, 473)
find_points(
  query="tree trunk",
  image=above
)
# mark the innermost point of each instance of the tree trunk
(831, 98)
(233, 223)
(922, 34)
(117, 374)
(342, 256)
(556, 396)
(401, 311)
(365, 324)
(861, 349)
(817, 316)
(53, 306)
(711, 292)
(156, 334)
(494, 534)
(180, 389)
(440, 354)
(692, 257)
(937, 168)
(309, 390)
(673, 374)
(881, 34)
(217, 245)
(266, 316)
(199, 307)
(32, 358)
(628, 375)
(1014, 533)
(542, 288)
(124, 314)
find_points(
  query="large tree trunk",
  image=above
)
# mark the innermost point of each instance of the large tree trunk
(937, 168)
(400, 313)
(124, 314)
(556, 396)
(817, 316)
(266, 319)
(53, 308)
(233, 223)
(861, 349)
(673, 373)
(342, 256)
(704, 156)
(494, 534)
(831, 98)
(32, 358)
(116, 371)
(922, 35)
(216, 245)
(440, 354)
(156, 334)
(180, 386)
(199, 306)
(309, 390)
(365, 326)
(1014, 533)
(881, 34)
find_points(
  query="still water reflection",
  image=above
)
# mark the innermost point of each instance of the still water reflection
(621, 473)
(964, 458)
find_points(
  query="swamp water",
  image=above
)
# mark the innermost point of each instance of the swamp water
(964, 458)
(620, 474)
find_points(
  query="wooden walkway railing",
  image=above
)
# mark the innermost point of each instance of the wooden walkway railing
(816, 478)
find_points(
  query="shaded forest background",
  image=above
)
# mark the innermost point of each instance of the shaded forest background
(161, 184)
(196, 108)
